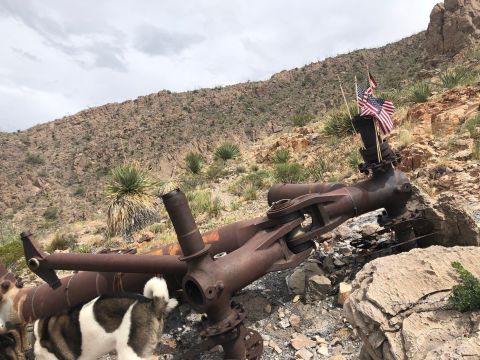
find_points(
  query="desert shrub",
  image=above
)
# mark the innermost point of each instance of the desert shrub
(466, 295)
(421, 91)
(62, 241)
(82, 248)
(156, 228)
(281, 156)
(194, 162)
(317, 172)
(338, 122)
(131, 202)
(215, 170)
(472, 124)
(203, 202)
(289, 173)
(458, 76)
(79, 191)
(301, 119)
(226, 151)
(240, 169)
(11, 248)
(248, 184)
(394, 96)
(34, 159)
(51, 213)
(354, 159)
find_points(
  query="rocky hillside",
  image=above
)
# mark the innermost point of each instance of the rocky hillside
(62, 164)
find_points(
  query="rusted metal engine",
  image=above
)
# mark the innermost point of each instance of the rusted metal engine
(210, 268)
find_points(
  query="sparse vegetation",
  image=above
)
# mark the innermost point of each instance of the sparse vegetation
(131, 207)
(194, 162)
(34, 159)
(11, 249)
(354, 159)
(318, 172)
(289, 173)
(280, 156)
(457, 76)
(339, 123)
(62, 241)
(421, 91)
(248, 185)
(203, 202)
(215, 170)
(466, 295)
(51, 213)
(301, 119)
(226, 151)
(79, 191)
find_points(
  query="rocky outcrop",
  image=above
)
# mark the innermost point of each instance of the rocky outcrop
(399, 307)
(453, 26)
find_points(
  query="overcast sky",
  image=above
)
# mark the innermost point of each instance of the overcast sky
(58, 57)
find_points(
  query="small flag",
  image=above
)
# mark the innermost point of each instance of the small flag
(380, 109)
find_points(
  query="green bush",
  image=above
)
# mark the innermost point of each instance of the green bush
(246, 185)
(62, 241)
(338, 123)
(131, 201)
(354, 159)
(317, 173)
(289, 172)
(51, 213)
(301, 119)
(281, 156)
(34, 159)
(458, 76)
(466, 295)
(203, 202)
(226, 151)
(11, 248)
(472, 124)
(79, 191)
(421, 92)
(194, 162)
(215, 170)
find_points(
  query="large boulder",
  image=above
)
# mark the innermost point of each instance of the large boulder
(453, 26)
(399, 306)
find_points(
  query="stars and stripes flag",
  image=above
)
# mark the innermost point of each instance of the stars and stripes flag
(380, 109)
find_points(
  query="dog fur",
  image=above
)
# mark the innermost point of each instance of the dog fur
(130, 324)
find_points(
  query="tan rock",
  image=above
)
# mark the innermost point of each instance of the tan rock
(344, 291)
(397, 305)
(301, 341)
(303, 354)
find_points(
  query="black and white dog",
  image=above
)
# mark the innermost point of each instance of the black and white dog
(130, 324)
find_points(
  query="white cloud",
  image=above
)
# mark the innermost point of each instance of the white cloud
(60, 57)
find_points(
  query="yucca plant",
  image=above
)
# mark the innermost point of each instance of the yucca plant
(339, 123)
(226, 151)
(301, 119)
(194, 162)
(421, 92)
(457, 76)
(132, 204)
(280, 156)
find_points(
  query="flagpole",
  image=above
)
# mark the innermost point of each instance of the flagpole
(379, 152)
(356, 94)
(346, 104)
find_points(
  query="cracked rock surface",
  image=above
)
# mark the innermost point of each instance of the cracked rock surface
(399, 306)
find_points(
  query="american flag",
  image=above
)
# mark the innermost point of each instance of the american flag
(378, 108)
(371, 81)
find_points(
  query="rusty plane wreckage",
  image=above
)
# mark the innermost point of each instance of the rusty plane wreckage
(210, 268)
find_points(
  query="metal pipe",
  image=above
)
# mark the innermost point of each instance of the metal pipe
(291, 191)
(149, 264)
(188, 235)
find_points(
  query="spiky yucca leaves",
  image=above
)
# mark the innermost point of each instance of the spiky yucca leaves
(226, 151)
(132, 205)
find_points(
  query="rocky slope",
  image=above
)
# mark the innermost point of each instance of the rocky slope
(62, 164)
